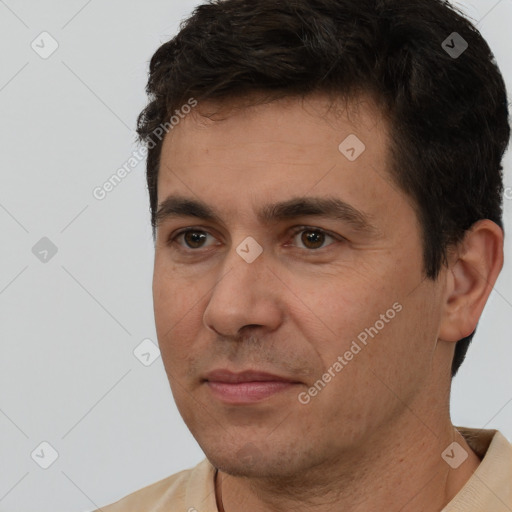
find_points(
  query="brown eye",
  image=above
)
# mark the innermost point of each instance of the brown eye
(312, 238)
(192, 238)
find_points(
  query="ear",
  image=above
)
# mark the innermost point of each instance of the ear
(472, 272)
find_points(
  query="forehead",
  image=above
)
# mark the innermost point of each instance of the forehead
(293, 120)
(293, 129)
(230, 154)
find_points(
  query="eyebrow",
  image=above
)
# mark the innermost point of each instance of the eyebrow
(177, 206)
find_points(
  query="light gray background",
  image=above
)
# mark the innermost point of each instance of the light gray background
(68, 327)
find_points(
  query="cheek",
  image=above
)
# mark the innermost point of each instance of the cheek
(363, 323)
(176, 306)
(174, 296)
(342, 308)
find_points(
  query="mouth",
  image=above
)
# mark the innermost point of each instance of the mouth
(246, 387)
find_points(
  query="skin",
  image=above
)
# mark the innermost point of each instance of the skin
(372, 439)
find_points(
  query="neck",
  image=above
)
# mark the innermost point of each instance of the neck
(404, 472)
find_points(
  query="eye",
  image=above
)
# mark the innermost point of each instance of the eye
(193, 238)
(313, 238)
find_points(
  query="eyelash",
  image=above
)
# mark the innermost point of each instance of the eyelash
(172, 239)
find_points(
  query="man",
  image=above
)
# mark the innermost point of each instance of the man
(326, 204)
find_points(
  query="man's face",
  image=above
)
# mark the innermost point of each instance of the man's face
(327, 301)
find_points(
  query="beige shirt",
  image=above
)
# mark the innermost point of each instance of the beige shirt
(192, 490)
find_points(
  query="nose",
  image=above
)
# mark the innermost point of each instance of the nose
(246, 294)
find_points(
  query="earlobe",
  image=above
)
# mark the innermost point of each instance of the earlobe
(471, 275)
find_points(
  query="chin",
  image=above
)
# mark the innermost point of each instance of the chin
(245, 461)
(249, 461)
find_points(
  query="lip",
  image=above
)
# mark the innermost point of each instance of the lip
(224, 375)
(246, 387)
